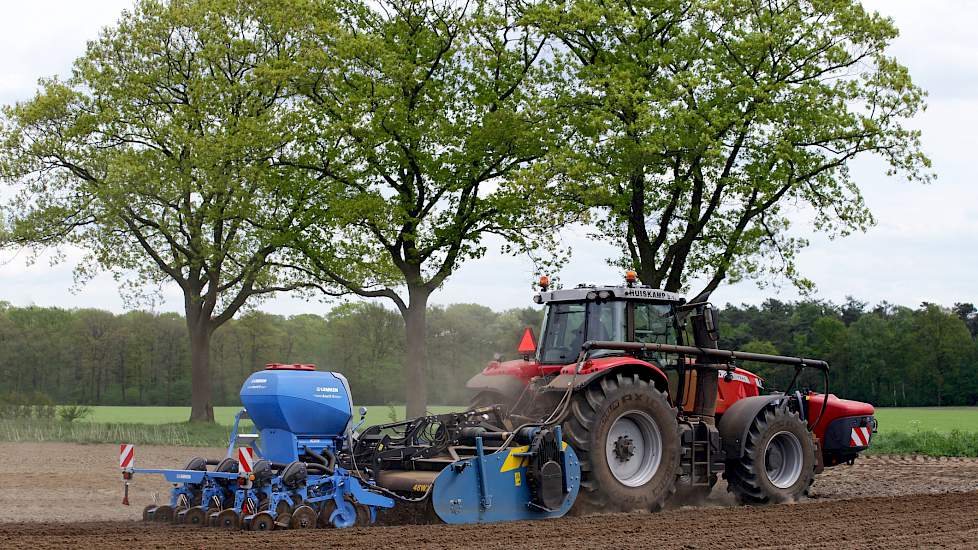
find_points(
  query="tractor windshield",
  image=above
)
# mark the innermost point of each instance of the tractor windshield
(566, 326)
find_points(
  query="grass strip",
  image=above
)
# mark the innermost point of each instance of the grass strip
(926, 442)
(183, 434)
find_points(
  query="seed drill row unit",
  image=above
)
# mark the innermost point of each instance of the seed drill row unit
(308, 466)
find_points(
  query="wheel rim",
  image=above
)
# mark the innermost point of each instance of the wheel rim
(634, 448)
(783, 459)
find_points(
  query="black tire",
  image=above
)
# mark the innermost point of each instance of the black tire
(594, 411)
(763, 475)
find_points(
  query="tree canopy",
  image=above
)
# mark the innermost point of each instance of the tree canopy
(696, 123)
(427, 118)
(155, 156)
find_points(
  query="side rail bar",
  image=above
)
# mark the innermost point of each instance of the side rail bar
(704, 353)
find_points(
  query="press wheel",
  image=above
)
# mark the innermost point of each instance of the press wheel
(196, 516)
(304, 517)
(163, 513)
(263, 521)
(229, 519)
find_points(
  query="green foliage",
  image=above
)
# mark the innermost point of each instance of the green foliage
(889, 356)
(422, 119)
(33, 404)
(157, 157)
(693, 122)
(70, 413)
(96, 358)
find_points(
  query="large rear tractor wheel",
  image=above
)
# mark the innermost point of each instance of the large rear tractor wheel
(626, 436)
(779, 460)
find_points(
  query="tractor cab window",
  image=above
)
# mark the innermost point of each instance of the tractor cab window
(653, 324)
(568, 325)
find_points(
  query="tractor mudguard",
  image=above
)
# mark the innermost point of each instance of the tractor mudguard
(504, 384)
(737, 419)
(564, 380)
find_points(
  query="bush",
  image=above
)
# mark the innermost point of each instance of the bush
(27, 405)
(70, 413)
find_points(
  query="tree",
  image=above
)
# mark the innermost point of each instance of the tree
(422, 116)
(945, 347)
(695, 121)
(967, 312)
(157, 157)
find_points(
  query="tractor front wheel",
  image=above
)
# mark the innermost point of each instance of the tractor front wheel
(626, 435)
(778, 464)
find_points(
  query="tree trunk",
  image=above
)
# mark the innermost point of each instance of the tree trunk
(201, 409)
(415, 326)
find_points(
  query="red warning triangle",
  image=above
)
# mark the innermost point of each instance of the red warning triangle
(528, 344)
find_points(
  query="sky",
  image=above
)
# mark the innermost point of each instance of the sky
(923, 248)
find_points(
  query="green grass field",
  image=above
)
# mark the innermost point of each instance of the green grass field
(918, 419)
(376, 414)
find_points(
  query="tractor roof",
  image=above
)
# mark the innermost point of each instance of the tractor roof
(592, 292)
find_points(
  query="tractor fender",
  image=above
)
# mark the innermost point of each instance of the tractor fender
(582, 380)
(736, 421)
(504, 384)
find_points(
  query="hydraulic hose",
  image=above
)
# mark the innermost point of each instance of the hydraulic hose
(328, 462)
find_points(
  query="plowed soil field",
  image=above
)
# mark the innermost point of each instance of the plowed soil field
(65, 495)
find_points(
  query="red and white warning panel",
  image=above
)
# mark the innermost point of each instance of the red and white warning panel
(246, 460)
(127, 455)
(859, 437)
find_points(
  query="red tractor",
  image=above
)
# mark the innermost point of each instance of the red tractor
(634, 377)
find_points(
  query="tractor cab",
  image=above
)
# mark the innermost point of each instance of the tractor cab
(605, 313)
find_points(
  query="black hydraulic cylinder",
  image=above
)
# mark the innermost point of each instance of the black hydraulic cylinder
(706, 353)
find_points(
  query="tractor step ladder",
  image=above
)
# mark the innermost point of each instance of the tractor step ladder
(700, 455)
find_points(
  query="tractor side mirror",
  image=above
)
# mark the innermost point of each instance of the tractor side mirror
(711, 323)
